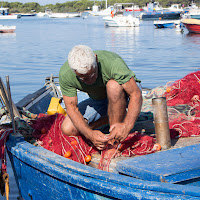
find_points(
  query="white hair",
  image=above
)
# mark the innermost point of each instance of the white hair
(81, 58)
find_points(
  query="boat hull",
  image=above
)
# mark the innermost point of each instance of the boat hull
(10, 16)
(121, 21)
(7, 29)
(193, 28)
(40, 173)
(193, 25)
(160, 15)
(166, 23)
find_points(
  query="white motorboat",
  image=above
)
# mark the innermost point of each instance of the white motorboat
(7, 29)
(121, 21)
(45, 13)
(4, 14)
(58, 15)
(174, 8)
(74, 14)
(117, 19)
(63, 15)
(97, 12)
(193, 13)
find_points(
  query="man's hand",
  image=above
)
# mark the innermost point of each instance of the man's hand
(119, 132)
(99, 139)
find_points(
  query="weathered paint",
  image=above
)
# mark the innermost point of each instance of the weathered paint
(41, 174)
(172, 166)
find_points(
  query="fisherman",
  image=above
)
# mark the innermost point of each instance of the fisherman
(111, 87)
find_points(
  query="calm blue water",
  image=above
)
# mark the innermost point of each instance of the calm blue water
(40, 46)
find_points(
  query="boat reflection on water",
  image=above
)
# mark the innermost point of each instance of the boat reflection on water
(193, 35)
(3, 35)
(121, 36)
(194, 38)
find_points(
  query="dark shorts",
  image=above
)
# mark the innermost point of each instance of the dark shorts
(92, 110)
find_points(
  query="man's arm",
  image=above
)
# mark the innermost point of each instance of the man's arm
(121, 130)
(96, 137)
(135, 103)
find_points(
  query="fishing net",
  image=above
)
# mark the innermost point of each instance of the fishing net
(183, 98)
(47, 132)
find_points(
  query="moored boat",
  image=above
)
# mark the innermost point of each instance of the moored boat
(121, 21)
(28, 14)
(166, 23)
(4, 14)
(7, 29)
(192, 25)
(155, 12)
(118, 19)
(153, 15)
(133, 8)
(63, 15)
(193, 13)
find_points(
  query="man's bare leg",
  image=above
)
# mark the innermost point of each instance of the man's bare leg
(69, 129)
(116, 102)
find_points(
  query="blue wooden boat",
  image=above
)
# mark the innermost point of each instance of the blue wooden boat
(43, 175)
(166, 23)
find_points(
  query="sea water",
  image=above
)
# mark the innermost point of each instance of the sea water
(40, 46)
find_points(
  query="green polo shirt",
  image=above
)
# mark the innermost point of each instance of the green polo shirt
(110, 66)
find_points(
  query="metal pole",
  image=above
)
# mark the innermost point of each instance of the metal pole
(161, 122)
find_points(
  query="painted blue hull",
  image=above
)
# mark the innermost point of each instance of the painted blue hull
(42, 175)
(160, 15)
(169, 25)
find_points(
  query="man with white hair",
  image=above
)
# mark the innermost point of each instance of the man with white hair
(110, 84)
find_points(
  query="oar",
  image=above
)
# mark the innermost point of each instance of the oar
(10, 104)
(4, 95)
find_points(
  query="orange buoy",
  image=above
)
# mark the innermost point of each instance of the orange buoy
(67, 154)
(157, 147)
(168, 89)
(88, 158)
(74, 142)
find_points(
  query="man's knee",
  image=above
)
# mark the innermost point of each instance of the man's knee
(114, 90)
(68, 128)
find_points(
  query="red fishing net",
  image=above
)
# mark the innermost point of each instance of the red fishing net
(3, 136)
(183, 98)
(47, 132)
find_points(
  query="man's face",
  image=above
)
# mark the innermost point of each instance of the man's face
(90, 77)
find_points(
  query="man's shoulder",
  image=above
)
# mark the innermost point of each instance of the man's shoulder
(106, 53)
(65, 69)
